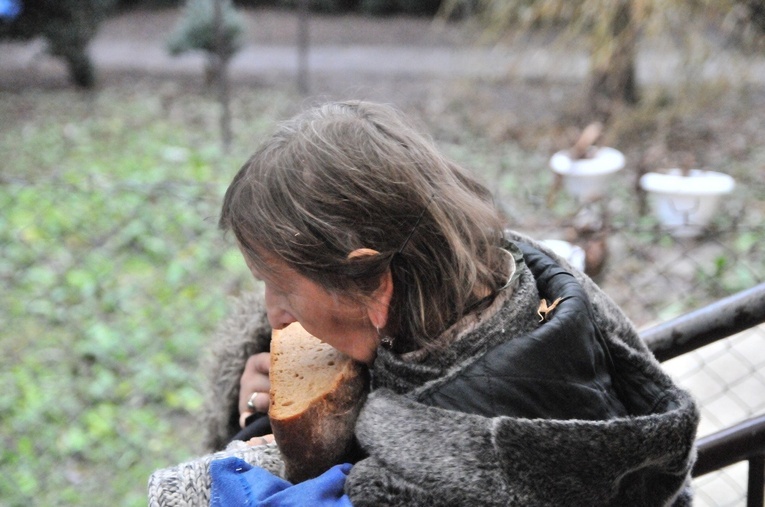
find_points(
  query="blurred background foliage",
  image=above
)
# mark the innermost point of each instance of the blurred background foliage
(114, 274)
(196, 29)
(613, 31)
(66, 25)
(375, 7)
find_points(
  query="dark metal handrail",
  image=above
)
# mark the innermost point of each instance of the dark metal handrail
(744, 441)
(718, 320)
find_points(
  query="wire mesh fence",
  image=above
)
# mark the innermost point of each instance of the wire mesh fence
(726, 377)
(654, 277)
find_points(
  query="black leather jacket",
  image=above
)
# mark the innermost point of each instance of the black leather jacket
(561, 370)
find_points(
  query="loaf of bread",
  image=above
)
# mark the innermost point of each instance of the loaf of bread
(316, 395)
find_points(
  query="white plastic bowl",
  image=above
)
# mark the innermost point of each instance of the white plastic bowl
(586, 179)
(686, 204)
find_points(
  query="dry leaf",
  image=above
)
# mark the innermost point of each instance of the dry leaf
(543, 311)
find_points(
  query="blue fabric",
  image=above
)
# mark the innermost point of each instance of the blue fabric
(10, 9)
(235, 482)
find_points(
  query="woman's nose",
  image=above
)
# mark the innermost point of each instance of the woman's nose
(280, 319)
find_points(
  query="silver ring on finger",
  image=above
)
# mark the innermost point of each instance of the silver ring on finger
(251, 402)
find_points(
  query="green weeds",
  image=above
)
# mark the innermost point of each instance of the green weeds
(114, 275)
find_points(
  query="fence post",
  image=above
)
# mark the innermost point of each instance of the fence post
(755, 492)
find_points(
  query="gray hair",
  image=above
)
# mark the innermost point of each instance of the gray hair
(351, 175)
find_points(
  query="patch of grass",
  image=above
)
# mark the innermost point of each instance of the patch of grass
(114, 275)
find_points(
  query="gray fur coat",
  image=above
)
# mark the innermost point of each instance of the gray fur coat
(425, 455)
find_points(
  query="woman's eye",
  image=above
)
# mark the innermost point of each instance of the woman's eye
(274, 288)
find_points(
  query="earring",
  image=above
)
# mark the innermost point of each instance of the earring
(387, 341)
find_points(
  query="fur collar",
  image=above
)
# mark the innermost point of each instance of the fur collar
(513, 311)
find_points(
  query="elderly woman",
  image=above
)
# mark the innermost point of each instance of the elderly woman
(499, 375)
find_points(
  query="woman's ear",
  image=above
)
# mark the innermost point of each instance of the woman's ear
(377, 307)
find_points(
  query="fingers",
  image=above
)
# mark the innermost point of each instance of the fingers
(253, 401)
(258, 403)
(254, 386)
(243, 418)
(265, 439)
(255, 375)
(260, 363)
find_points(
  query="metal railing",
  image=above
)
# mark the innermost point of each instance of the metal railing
(713, 322)
(744, 441)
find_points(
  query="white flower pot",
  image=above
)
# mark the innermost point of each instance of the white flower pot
(575, 255)
(686, 204)
(587, 179)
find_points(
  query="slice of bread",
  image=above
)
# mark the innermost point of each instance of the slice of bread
(316, 395)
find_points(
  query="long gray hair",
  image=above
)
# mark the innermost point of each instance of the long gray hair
(351, 175)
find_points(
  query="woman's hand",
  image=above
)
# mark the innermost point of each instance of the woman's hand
(254, 386)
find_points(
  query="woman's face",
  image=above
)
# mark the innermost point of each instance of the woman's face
(342, 322)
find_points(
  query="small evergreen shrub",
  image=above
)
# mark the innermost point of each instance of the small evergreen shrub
(196, 30)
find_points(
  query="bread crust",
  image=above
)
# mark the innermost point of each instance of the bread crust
(321, 435)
